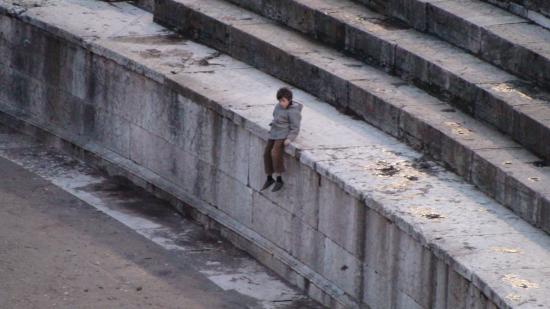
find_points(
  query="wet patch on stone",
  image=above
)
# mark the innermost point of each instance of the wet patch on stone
(386, 169)
(169, 39)
(390, 24)
(206, 60)
(426, 213)
(540, 163)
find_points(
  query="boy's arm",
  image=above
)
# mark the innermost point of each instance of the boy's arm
(295, 122)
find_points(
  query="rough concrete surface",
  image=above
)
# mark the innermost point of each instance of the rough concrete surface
(189, 124)
(72, 237)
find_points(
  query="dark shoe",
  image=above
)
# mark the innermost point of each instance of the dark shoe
(268, 183)
(278, 185)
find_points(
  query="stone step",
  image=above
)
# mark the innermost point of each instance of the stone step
(537, 11)
(493, 34)
(364, 221)
(476, 87)
(490, 160)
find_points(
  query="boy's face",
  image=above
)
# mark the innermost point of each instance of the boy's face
(284, 102)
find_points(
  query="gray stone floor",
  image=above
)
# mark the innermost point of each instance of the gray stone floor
(71, 237)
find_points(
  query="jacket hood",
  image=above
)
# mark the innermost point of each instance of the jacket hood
(296, 106)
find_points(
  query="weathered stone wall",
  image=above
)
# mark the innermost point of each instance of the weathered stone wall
(335, 243)
(85, 98)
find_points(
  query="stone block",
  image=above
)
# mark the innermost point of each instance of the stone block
(495, 110)
(186, 18)
(292, 13)
(378, 288)
(458, 31)
(413, 12)
(342, 218)
(373, 108)
(457, 290)
(160, 113)
(196, 126)
(530, 126)
(307, 244)
(271, 221)
(522, 199)
(112, 131)
(370, 47)
(321, 78)
(414, 273)
(204, 183)
(17, 91)
(402, 300)
(233, 198)
(544, 206)
(456, 155)
(328, 28)
(518, 48)
(119, 91)
(251, 43)
(381, 243)
(342, 268)
(148, 5)
(153, 152)
(232, 150)
(420, 134)
(440, 287)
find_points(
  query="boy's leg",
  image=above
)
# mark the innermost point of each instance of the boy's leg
(268, 165)
(277, 152)
(268, 162)
(278, 162)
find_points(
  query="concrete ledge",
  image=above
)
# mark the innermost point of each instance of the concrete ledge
(364, 221)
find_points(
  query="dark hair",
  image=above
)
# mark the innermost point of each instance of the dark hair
(284, 93)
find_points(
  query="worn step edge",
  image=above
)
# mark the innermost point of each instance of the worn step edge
(497, 102)
(408, 123)
(538, 15)
(429, 17)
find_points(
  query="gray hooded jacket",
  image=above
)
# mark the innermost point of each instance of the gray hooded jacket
(286, 121)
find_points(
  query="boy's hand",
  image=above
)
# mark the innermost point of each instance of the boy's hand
(287, 142)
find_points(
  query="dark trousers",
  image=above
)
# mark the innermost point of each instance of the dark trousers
(273, 156)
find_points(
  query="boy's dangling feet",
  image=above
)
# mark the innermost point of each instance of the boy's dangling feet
(268, 182)
(278, 184)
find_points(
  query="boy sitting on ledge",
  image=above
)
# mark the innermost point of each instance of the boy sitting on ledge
(285, 127)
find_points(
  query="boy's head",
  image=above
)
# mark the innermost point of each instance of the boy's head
(284, 95)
